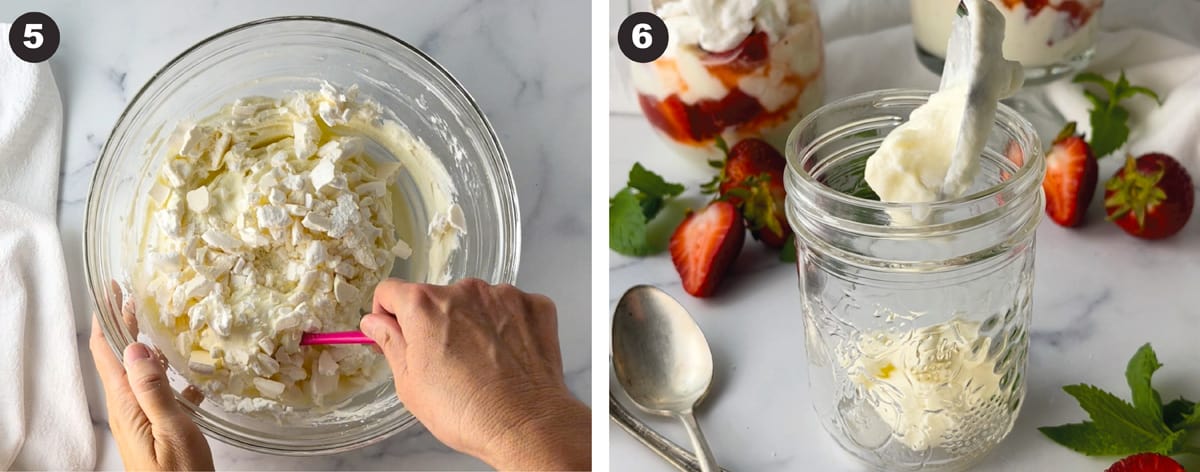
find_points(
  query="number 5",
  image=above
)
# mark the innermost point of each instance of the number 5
(33, 35)
(641, 36)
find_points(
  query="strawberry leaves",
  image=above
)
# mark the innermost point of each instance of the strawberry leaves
(1109, 120)
(1117, 427)
(632, 208)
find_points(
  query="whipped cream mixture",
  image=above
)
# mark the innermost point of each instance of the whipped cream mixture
(928, 382)
(269, 219)
(935, 154)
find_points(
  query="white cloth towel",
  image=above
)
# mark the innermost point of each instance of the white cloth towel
(44, 420)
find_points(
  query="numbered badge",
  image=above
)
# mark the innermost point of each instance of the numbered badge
(642, 37)
(33, 37)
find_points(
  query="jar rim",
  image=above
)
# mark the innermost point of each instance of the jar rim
(796, 153)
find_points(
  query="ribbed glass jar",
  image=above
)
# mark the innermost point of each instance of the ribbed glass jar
(916, 316)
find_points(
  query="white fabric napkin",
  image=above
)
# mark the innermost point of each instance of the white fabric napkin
(44, 420)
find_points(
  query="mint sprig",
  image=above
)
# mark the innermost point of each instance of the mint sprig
(1118, 428)
(633, 207)
(1110, 128)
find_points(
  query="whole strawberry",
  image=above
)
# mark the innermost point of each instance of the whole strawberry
(1146, 462)
(752, 178)
(1151, 197)
(704, 246)
(1071, 174)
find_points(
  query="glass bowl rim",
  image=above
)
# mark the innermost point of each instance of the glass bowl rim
(497, 162)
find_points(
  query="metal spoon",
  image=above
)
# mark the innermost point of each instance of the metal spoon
(662, 360)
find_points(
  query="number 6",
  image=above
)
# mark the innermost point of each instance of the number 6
(33, 35)
(641, 36)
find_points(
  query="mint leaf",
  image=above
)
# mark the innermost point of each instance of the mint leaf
(1144, 91)
(1109, 129)
(1176, 412)
(1187, 417)
(650, 183)
(1085, 438)
(1121, 424)
(627, 225)
(1141, 367)
(631, 210)
(1109, 119)
(788, 253)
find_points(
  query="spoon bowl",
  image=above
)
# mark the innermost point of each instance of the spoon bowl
(662, 359)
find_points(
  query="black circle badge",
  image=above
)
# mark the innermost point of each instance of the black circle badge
(642, 37)
(33, 37)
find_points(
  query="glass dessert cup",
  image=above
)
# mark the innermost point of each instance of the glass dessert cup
(760, 88)
(916, 316)
(272, 57)
(1051, 39)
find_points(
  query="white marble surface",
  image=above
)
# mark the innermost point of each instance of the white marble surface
(526, 64)
(1098, 295)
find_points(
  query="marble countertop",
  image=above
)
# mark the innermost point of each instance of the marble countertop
(1099, 294)
(523, 61)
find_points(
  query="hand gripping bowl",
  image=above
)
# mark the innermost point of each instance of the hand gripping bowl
(272, 57)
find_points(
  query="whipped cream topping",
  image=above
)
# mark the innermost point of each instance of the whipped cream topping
(269, 219)
(719, 25)
(935, 154)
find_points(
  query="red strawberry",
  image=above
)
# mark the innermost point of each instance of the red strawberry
(1071, 175)
(752, 179)
(1151, 197)
(747, 55)
(705, 245)
(1146, 462)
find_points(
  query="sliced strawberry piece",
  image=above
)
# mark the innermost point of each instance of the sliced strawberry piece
(1151, 197)
(749, 54)
(704, 246)
(1071, 174)
(752, 179)
(670, 116)
(1016, 155)
(1146, 462)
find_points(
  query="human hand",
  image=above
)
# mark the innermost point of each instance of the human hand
(480, 366)
(151, 430)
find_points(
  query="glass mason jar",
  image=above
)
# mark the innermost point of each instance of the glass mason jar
(760, 87)
(916, 316)
(1051, 39)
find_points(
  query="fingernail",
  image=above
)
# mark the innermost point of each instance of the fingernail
(368, 327)
(136, 352)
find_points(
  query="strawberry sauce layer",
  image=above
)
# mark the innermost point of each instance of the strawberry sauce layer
(701, 122)
(1078, 13)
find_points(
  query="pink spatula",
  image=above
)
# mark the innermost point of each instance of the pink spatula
(343, 337)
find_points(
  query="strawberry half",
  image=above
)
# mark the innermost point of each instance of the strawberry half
(752, 179)
(1151, 197)
(1071, 174)
(704, 246)
(1146, 462)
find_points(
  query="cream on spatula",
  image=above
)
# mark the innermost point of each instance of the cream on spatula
(935, 154)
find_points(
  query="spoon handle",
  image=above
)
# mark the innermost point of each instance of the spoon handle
(703, 454)
(665, 448)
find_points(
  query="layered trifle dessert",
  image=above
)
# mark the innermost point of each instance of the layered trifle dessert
(1048, 37)
(732, 69)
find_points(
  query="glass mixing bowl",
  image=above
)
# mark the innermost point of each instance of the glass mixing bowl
(271, 57)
